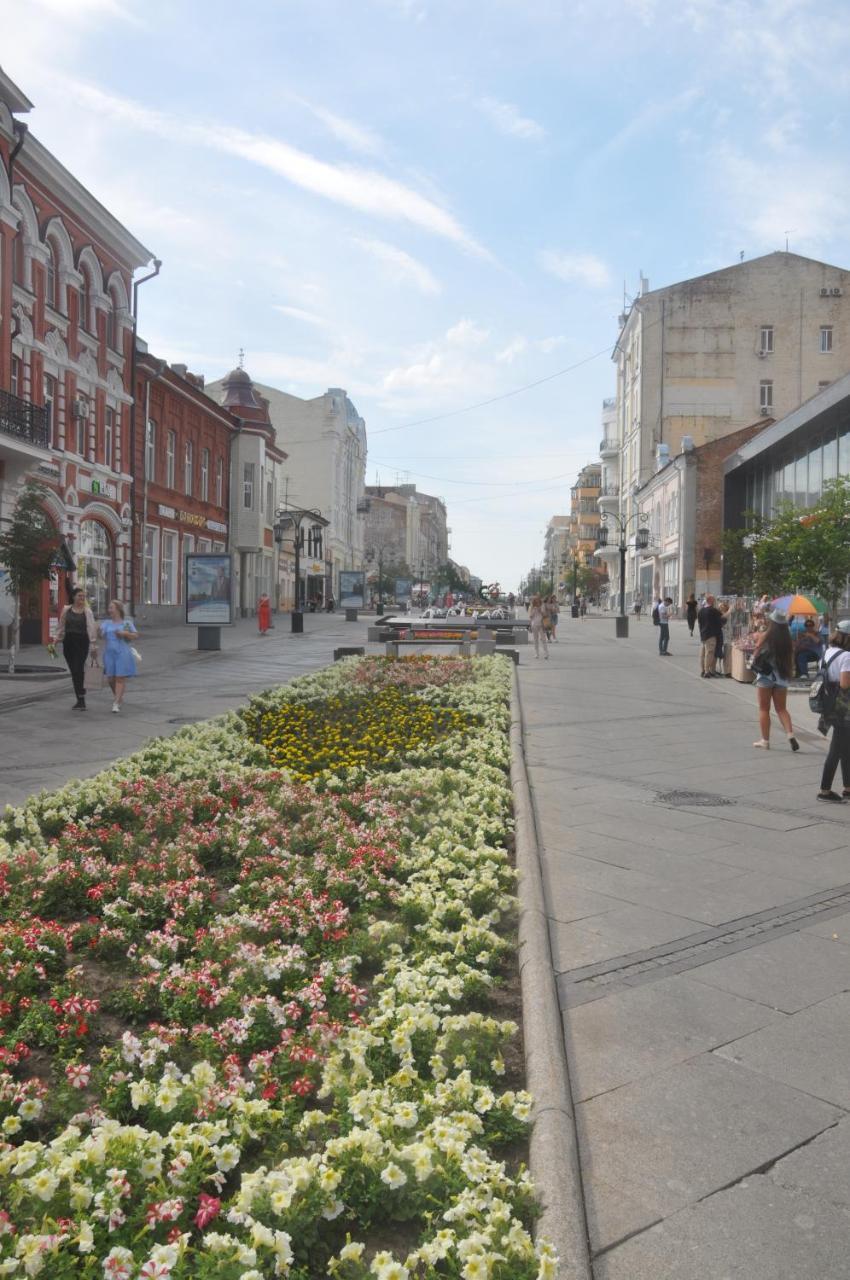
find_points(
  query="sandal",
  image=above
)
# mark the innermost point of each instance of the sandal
(763, 743)
(832, 796)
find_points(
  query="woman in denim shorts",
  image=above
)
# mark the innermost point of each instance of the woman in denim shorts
(775, 655)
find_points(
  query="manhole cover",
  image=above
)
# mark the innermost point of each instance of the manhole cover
(184, 720)
(692, 799)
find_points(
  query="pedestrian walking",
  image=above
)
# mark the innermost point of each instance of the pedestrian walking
(550, 609)
(583, 607)
(664, 627)
(838, 673)
(119, 657)
(691, 612)
(638, 605)
(77, 633)
(773, 663)
(538, 631)
(724, 667)
(264, 614)
(709, 620)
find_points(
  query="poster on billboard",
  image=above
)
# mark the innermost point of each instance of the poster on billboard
(208, 589)
(402, 589)
(352, 589)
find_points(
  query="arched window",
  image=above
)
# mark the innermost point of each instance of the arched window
(85, 302)
(112, 322)
(19, 258)
(50, 277)
(95, 565)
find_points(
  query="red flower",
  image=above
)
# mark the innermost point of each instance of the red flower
(209, 1207)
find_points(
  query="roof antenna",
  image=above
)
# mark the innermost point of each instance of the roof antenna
(741, 256)
(787, 234)
(241, 357)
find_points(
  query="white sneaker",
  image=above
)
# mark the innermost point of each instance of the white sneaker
(763, 743)
(115, 708)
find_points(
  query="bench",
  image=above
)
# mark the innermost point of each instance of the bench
(349, 651)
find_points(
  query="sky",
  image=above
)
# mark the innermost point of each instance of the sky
(436, 203)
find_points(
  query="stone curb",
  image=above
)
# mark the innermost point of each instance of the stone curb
(554, 1158)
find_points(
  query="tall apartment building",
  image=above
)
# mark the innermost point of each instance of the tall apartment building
(408, 526)
(700, 360)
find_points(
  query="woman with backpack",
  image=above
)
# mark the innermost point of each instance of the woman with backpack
(773, 664)
(836, 669)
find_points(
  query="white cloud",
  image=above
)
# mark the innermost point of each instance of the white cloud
(809, 198)
(354, 135)
(466, 333)
(402, 267)
(298, 313)
(85, 10)
(576, 268)
(444, 368)
(509, 120)
(547, 345)
(363, 189)
(514, 348)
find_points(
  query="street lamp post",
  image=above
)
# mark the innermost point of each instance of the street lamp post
(622, 524)
(372, 555)
(296, 519)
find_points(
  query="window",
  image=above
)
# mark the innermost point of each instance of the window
(49, 397)
(270, 498)
(19, 259)
(248, 486)
(112, 326)
(168, 569)
(825, 339)
(766, 397)
(50, 278)
(205, 475)
(149, 592)
(219, 483)
(766, 343)
(108, 437)
(170, 453)
(150, 450)
(187, 470)
(94, 566)
(85, 303)
(17, 376)
(81, 425)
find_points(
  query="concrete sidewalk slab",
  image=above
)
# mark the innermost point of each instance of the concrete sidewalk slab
(745, 877)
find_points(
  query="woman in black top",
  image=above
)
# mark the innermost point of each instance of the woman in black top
(78, 633)
(691, 612)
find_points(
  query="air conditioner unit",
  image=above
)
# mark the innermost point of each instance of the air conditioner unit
(762, 352)
(835, 293)
(824, 293)
(79, 409)
(765, 410)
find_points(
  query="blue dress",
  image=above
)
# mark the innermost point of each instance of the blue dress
(118, 659)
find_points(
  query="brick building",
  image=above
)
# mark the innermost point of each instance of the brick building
(66, 272)
(683, 509)
(182, 494)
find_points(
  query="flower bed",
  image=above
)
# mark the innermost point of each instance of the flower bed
(245, 1027)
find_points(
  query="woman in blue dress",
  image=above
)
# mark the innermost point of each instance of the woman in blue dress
(118, 660)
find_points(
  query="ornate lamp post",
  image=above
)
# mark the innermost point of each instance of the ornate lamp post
(622, 525)
(295, 519)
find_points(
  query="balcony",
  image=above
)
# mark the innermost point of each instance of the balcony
(23, 423)
(608, 446)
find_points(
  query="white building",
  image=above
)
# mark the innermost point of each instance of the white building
(706, 357)
(324, 441)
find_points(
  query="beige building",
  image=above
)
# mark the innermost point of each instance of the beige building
(699, 360)
(409, 528)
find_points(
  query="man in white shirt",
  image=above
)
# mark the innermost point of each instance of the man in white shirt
(664, 626)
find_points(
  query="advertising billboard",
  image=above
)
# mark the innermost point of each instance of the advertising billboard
(352, 589)
(402, 589)
(209, 579)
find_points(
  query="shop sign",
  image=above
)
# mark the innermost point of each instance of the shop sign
(314, 569)
(191, 517)
(216, 526)
(168, 512)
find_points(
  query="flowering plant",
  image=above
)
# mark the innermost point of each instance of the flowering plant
(260, 1006)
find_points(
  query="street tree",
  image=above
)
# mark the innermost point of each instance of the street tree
(28, 548)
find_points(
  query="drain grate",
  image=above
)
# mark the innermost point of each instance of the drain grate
(184, 720)
(692, 799)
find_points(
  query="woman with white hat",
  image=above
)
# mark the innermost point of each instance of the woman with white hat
(836, 663)
(773, 663)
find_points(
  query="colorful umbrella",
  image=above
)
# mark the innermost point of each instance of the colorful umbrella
(794, 606)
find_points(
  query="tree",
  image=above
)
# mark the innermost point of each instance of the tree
(447, 576)
(28, 548)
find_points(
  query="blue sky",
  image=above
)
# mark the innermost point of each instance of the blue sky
(434, 202)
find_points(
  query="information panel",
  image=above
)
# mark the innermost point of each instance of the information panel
(402, 589)
(352, 589)
(209, 579)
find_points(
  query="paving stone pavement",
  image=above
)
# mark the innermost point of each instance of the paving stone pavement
(699, 915)
(43, 744)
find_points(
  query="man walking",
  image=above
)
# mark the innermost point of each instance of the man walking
(664, 626)
(710, 623)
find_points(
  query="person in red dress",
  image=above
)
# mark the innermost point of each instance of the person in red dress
(264, 613)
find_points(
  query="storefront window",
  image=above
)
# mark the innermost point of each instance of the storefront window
(844, 453)
(95, 566)
(149, 594)
(830, 459)
(815, 473)
(168, 569)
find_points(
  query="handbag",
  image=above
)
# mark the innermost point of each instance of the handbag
(135, 653)
(761, 664)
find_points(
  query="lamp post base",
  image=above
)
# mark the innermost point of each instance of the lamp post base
(622, 625)
(297, 621)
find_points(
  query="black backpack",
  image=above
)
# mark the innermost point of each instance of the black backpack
(823, 692)
(656, 621)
